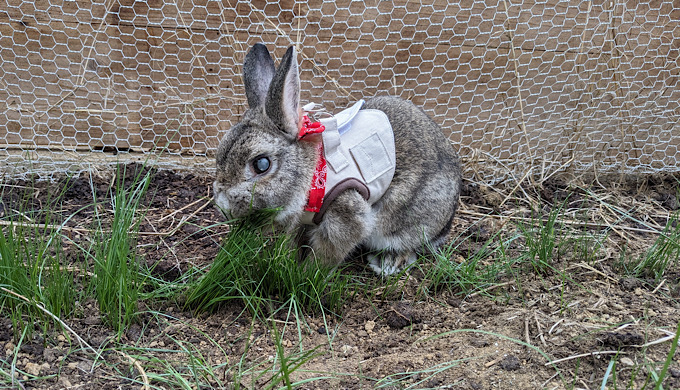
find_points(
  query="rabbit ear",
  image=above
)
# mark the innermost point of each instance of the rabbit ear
(258, 71)
(283, 99)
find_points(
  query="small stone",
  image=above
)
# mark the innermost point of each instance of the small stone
(61, 338)
(34, 348)
(629, 284)
(65, 383)
(85, 365)
(510, 363)
(626, 361)
(401, 316)
(362, 334)
(32, 369)
(347, 350)
(370, 325)
(622, 339)
(322, 330)
(50, 354)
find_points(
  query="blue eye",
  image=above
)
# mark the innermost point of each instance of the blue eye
(261, 165)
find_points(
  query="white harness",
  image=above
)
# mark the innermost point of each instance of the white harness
(359, 150)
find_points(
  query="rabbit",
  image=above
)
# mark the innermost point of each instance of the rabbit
(262, 164)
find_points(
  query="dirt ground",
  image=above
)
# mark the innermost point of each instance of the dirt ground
(503, 339)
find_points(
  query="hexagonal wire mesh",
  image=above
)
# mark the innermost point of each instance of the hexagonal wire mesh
(523, 88)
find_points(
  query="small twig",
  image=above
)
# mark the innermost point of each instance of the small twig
(568, 306)
(527, 338)
(45, 226)
(540, 333)
(399, 314)
(518, 185)
(75, 270)
(659, 341)
(491, 363)
(549, 379)
(491, 288)
(613, 228)
(139, 368)
(184, 220)
(659, 286)
(584, 355)
(555, 325)
(588, 267)
(183, 208)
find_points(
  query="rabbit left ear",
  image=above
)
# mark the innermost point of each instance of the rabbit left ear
(283, 100)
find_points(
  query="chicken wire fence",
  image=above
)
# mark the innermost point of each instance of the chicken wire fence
(522, 88)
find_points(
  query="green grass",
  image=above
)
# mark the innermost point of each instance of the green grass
(662, 375)
(182, 364)
(663, 255)
(481, 269)
(119, 277)
(541, 238)
(259, 267)
(39, 285)
(33, 276)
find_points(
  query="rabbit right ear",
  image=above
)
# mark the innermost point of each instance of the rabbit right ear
(258, 72)
(283, 101)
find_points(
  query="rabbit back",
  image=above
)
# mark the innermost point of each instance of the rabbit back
(423, 197)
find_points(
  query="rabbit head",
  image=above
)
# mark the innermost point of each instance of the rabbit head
(261, 164)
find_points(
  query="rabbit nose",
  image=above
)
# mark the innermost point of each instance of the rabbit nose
(221, 198)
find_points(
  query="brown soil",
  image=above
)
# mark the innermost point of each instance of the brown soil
(394, 340)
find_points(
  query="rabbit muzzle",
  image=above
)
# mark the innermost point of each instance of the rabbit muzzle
(221, 199)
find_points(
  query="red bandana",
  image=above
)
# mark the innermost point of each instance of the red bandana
(318, 188)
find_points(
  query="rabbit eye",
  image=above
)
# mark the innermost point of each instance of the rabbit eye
(261, 165)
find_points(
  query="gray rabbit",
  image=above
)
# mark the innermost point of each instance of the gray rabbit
(381, 175)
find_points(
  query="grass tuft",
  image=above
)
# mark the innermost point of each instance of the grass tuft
(541, 241)
(119, 276)
(467, 276)
(662, 255)
(259, 267)
(31, 269)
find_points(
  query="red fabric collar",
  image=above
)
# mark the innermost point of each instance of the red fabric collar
(318, 187)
